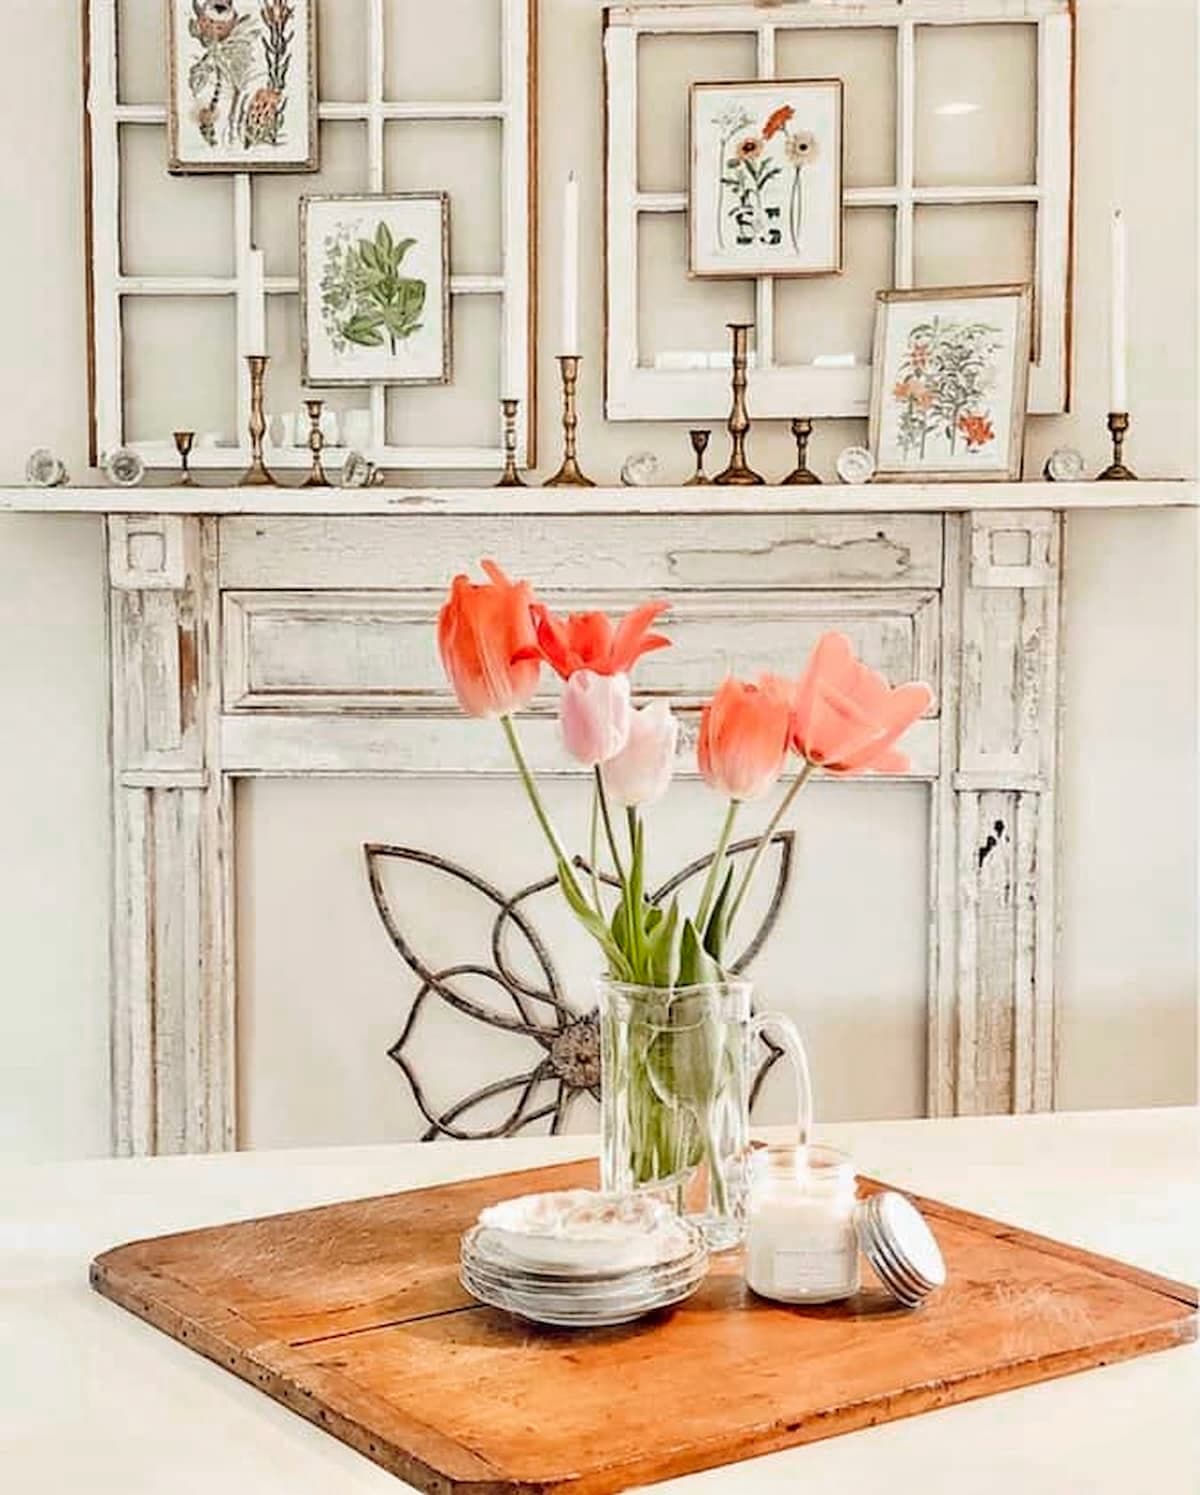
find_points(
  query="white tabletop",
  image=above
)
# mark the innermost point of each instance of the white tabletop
(91, 1399)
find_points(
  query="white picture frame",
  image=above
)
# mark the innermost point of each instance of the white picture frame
(950, 373)
(375, 289)
(242, 86)
(765, 178)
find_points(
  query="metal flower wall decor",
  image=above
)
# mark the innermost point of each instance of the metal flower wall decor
(564, 1040)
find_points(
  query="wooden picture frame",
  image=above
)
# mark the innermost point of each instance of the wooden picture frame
(948, 394)
(367, 336)
(242, 58)
(788, 148)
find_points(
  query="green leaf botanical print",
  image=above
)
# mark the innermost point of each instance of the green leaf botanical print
(238, 69)
(365, 299)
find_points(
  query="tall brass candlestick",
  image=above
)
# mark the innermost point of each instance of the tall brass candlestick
(256, 475)
(739, 472)
(316, 444)
(510, 477)
(1116, 471)
(569, 474)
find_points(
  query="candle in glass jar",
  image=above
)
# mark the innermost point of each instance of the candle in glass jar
(1118, 391)
(570, 268)
(801, 1242)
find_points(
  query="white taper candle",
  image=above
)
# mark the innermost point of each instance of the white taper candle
(1118, 398)
(256, 304)
(570, 268)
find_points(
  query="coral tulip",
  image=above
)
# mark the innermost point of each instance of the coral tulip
(484, 634)
(744, 736)
(846, 718)
(591, 641)
(641, 772)
(595, 716)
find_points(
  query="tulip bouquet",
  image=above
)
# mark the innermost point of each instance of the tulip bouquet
(839, 717)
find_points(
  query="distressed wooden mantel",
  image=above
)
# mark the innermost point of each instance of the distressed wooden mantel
(229, 615)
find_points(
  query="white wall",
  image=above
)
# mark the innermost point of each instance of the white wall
(1128, 873)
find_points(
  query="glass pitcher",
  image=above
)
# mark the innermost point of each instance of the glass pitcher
(677, 1068)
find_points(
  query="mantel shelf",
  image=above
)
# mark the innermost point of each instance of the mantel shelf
(826, 499)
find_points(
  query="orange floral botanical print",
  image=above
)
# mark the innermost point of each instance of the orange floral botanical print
(761, 186)
(943, 388)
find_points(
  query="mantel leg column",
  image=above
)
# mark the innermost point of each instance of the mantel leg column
(991, 1034)
(172, 985)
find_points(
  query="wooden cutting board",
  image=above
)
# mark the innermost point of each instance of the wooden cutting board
(352, 1316)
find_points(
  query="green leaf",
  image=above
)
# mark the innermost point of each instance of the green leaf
(383, 242)
(696, 966)
(663, 947)
(593, 923)
(717, 928)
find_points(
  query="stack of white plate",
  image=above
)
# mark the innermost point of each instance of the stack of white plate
(583, 1260)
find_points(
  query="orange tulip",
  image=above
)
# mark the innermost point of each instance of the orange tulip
(744, 736)
(591, 641)
(481, 631)
(846, 718)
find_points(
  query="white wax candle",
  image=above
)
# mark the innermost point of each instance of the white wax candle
(1118, 398)
(255, 329)
(570, 268)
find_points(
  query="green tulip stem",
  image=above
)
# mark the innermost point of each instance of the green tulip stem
(785, 805)
(714, 870)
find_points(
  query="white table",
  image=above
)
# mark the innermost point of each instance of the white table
(93, 1400)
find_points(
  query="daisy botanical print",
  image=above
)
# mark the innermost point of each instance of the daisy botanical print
(242, 86)
(765, 183)
(949, 382)
(374, 289)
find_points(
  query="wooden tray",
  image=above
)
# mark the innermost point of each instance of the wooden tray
(352, 1315)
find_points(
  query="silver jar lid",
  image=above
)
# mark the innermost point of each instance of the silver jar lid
(900, 1246)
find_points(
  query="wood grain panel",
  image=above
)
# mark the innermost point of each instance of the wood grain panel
(352, 1316)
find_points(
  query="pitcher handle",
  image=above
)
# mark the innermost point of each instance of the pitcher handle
(793, 1047)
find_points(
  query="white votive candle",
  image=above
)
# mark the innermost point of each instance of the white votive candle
(801, 1243)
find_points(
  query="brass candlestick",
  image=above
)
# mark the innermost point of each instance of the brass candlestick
(739, 473)
(316, 444)
(256, 475)
(1116, 471)
(569, 474)
(699, 440)
(183, 445)
(510, 478)
(801, 430)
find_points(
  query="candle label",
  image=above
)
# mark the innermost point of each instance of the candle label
(819, 1273)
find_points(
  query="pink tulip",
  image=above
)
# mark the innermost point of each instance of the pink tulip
(595, 716)
(641, 771)
(846, 719)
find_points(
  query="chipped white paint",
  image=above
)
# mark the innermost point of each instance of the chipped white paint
(294, 645)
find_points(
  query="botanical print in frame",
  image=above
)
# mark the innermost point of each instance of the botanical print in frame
(243, 90)
(375, 289)
(765, 178)
(949, 380)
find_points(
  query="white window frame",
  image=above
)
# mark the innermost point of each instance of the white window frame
(637, 392)
(109, 286)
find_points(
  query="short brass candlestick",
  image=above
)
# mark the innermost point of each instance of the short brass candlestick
(183, 445)
(739, 473)
(801, 430)
(256, 475)
(1116, 471)
(699, 440)
(316, 444)
(510, 478)
(569, 474)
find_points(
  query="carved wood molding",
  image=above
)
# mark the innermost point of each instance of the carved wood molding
(244, 646)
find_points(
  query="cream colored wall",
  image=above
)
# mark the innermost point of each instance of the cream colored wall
(1127, 1031)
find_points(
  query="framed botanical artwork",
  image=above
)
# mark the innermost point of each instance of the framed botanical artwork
(375, 289)
(765, 178)
(950, 373)
(242, 91)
